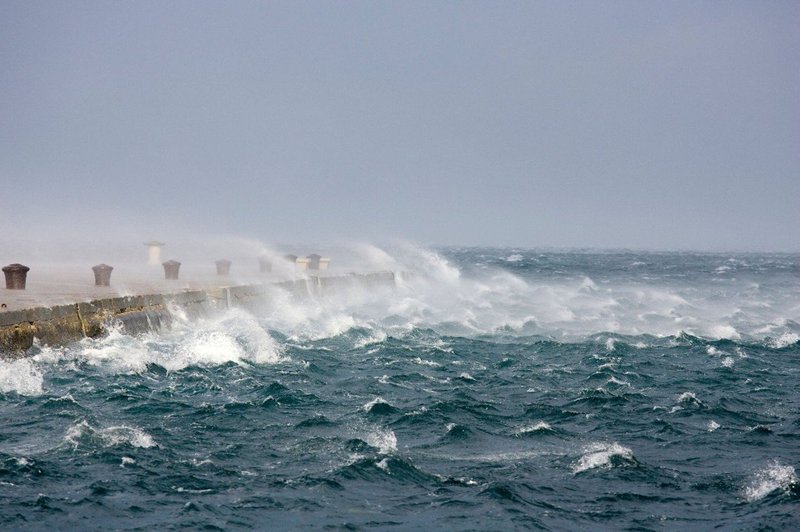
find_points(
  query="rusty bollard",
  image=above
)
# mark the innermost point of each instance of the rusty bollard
(264, 264)
(223, 267)
(102, 274)
(16, 274)
(171, 268)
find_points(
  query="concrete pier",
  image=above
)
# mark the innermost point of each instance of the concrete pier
(58, 316)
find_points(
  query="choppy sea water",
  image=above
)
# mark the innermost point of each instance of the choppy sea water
(494, 389)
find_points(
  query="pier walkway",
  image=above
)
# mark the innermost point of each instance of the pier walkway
(62, 306)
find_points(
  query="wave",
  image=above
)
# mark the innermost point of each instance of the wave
(235, 336)
(774, 477)
(84, 433)
(602, 455)
(541, 427)
(379, 406)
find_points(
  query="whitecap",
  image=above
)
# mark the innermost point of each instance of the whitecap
(423, 362)
(181, 489)
(539, 426)
(599, 455)
(712, 426)
(418, 412)
(375, 338)
(784, 340)
(382, 439)
(109, 436)
(689, 398)
(618, 382)
(378, 400)
(772, 478)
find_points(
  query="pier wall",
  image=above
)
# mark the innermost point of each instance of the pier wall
(63, 324)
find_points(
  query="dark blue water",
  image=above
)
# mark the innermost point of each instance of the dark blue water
(498, 389)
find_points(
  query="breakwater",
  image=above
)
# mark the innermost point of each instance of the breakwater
(62, 324)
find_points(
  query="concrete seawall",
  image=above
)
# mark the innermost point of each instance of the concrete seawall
(63, 324)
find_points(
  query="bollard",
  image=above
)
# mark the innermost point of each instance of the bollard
(171, 268)
(154, 251)
(264, 264)
(102, 274)
(223, 267)
(290, 257)
(16, 275)
(313, 261)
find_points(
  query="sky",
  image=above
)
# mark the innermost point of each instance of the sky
(622, 124)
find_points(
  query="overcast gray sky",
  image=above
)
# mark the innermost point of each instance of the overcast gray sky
(576, 124)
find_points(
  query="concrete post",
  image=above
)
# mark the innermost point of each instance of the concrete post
(154, 251)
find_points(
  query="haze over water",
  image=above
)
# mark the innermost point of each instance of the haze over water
(495, 388)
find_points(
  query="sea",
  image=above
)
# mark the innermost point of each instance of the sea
(490, 389)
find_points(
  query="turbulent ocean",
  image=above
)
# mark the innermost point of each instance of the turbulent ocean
(490, 389)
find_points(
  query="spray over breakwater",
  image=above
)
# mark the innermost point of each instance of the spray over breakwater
(61, 324)
(500, 388)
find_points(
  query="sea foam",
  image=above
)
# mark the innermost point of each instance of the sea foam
(21, 376)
